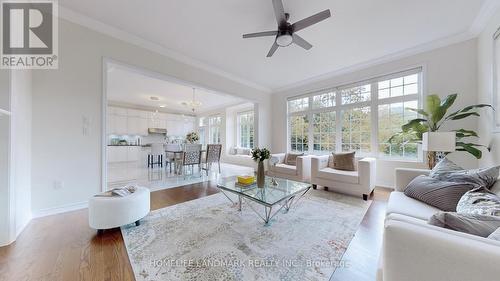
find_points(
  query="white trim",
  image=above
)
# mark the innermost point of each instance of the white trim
(61, 209)
(104, 125)
(487, 10)
(114, 32)
(494, 83)
(454, 39)
(373, 104)
(23, 225)
(4, 112)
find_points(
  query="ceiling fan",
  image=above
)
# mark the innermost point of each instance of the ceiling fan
(285, 35)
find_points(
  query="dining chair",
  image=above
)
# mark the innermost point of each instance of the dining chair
(171, 157)
(212, 156)
(191, 156)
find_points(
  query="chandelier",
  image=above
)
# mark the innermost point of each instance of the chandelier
(193, 104)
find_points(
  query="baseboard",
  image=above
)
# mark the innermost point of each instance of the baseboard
(23, 225)
(61, 209)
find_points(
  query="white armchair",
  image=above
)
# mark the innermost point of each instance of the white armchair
(300, 172)
(358, 183)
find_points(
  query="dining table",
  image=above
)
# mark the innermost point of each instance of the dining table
(177, 152)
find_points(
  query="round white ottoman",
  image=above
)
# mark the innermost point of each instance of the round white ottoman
(115, 211)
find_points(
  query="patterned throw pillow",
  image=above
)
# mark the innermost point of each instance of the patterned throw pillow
(440, 194)
(446, 170)
(343, 161)
(495, 235)
(473, 224)
(479, 201)
(443, 167)
(291, 158)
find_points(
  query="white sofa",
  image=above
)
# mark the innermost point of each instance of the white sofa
(300, 172)
(358, 183)
(413, 250)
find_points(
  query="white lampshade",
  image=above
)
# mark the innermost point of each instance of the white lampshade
(439, 141)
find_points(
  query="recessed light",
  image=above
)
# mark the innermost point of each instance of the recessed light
(162, 106)
(154, 98)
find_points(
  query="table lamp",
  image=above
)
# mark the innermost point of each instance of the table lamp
(437, 144)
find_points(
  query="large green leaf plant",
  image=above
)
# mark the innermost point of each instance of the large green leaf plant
(434, 116)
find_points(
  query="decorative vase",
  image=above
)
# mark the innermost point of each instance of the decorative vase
(261, 177)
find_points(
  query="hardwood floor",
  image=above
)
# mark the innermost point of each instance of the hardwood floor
(63, 247)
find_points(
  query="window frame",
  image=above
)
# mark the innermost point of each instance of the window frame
(238, 128)
(212, 127)
(373, 103)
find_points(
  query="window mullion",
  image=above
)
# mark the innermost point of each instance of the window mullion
(338, 121)
(374, 117)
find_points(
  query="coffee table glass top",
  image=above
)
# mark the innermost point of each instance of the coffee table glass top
(270, 194)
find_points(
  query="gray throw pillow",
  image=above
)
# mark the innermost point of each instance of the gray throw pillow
(479, 201)
(440, 194)
(495, 235)
(291, 158)
(344, 161)
(448, 171)
(473, 224)
(443, 167)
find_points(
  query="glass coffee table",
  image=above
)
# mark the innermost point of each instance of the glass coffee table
(273, 198)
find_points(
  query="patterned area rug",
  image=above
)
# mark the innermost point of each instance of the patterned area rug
(209, 239)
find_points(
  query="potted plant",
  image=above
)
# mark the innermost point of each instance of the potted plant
(260, 155)
(433, 116)
(192, 137)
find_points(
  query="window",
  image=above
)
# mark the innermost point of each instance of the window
(214, 123)
(246, 129)
(324, 131)
(359, 117)
(299, 126)
(356, 130)
(202, 129)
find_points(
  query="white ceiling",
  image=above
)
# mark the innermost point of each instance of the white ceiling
(358, 32)
(129, 86)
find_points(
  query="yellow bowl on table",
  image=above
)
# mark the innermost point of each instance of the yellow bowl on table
(246, 179)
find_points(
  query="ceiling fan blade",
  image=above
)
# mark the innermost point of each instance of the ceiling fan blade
(260, 34)
(301, 42)
(279, 12)
(301, 24)
(274, 47)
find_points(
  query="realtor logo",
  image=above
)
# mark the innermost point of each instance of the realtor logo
(29, 35)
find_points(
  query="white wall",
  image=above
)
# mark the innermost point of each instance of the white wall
(447, 70)
(21, 146)
(63, 97)
(485, 89)
(5, 219)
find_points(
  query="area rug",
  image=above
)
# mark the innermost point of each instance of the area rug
(209, 239)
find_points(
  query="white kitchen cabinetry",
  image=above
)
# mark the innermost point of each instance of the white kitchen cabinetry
(133, 153)
(122, 121)
(123, 153)
(117, 153)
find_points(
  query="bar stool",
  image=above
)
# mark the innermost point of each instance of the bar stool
(157, 152)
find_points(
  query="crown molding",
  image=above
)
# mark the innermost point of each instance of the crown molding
(488, 9)
(117, 33)
(381, 60)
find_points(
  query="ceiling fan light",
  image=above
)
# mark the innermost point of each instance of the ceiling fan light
(284, 40)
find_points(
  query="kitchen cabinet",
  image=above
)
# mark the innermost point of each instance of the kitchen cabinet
(117, 153)
(123, 153)
(133, 153)
(120, 125)
(121, 121)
